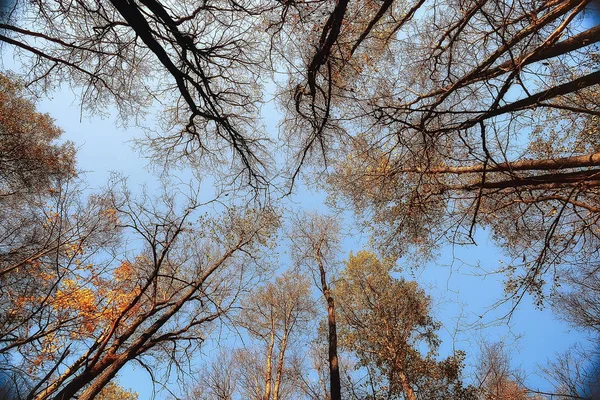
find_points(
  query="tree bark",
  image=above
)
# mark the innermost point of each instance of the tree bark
(269, 366)
(410, 394)
(586, 177)
(588, 160)
(103, 379)
(279, 372)
(334, 370)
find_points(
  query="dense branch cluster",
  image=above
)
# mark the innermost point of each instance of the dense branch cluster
(202, 63)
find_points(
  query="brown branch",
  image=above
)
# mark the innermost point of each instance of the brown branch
(380, 13)
(576, 42)
(563, 8)
(589, 160)
(588, 178)
(536, 99)
(330, 33)
(562, 199)
(57, 60)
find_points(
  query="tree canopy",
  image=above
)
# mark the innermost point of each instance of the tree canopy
(387, 323)
(436, 116)
(431, 120)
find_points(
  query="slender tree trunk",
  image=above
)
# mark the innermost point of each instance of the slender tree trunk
(588, 178)
(410, 394)
(269, 366)
(279, 372)
(334, 370)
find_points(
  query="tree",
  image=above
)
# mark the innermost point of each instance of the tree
(34, 172)
(399, 69)
(275, 314)
(45, 225)
(497, 380)
(218, 380)
(154, 302)
(462, 115)
(58, 246)
(30, 159)
(578, 302)
(201, 62)
(315, 240)
(441, 118)
(575, 373)
(386, 323)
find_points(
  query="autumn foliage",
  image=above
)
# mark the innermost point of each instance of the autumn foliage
(31, 159)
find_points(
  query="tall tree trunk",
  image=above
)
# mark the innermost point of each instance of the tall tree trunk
(279, 372)
(269, 366)
(334, 370)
